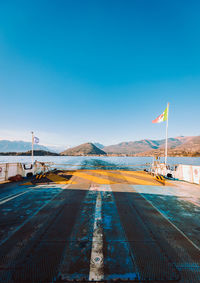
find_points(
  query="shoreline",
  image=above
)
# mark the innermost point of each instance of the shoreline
(106, 155)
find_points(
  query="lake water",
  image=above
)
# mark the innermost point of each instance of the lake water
(75, 162)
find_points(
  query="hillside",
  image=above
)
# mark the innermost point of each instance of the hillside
(177, 146)
(84, 149)
(99, 145)
(171, 152)
(19, 146)
(190, 147)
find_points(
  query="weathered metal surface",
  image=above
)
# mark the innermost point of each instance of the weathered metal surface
(92, 231)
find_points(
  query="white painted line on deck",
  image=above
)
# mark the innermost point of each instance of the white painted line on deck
(13, 197)
(193, 202)
(29, 218)
(96, 260)
(6, 199)
(181, 232)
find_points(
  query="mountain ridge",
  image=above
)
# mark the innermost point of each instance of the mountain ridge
(24, 146)
(19, 146)
(182, 145)
(189, 144)
(84, 149)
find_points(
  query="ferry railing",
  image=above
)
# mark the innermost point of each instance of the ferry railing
(130, 167)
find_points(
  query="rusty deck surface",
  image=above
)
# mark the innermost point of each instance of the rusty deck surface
(99, 225)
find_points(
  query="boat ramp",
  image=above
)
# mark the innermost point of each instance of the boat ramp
(97, 224)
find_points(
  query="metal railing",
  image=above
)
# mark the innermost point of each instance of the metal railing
(68, 166)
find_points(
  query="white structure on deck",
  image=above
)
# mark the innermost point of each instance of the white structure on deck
(188, 173)
(8, 170)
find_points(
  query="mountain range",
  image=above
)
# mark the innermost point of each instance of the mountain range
(19, 146)
(178, 146)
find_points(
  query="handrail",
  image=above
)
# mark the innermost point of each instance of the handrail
(89, 165)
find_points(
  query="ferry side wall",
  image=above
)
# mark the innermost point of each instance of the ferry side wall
(8, 170)
(188, 173)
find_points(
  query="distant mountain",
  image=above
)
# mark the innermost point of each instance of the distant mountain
(186, 144)
(19, 146)
(131, 147)
(99, 145)
(190, 143)
(56, 148)
(178, 146)
(190, 147)
(84, 149)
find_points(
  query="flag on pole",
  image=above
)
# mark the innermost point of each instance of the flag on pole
(36, 140)
(162, 117)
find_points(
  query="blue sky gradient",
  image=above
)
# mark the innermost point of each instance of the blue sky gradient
(99, 70)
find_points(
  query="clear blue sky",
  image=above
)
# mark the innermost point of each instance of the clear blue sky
(99, 70)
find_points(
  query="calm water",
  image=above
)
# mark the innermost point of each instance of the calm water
(96, 161)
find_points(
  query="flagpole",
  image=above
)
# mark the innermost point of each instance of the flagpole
(166, 134)
(32, 145)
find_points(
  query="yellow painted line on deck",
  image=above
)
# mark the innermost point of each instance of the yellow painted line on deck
(148, 177)
(27, 184)
(127, 178)
(66, 182)
(54, 177)
(92, 178)
(139, 174)
(59, 180)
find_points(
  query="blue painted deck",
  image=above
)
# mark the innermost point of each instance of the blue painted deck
(145, 233)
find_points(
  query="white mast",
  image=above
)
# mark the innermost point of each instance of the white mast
(32, 144)
(166, 134)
